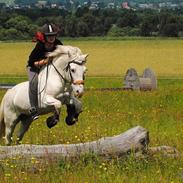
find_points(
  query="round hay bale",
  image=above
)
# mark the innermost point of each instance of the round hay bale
(148, 81)
(131, 80)
(145, 84)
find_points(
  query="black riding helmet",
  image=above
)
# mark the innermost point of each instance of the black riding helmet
(49, 30)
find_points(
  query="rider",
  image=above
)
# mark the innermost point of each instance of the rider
(46, 42)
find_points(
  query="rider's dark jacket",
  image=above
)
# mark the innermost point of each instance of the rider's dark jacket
(39, 53)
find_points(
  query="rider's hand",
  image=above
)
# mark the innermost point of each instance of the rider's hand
(40, 63)
(36, 64)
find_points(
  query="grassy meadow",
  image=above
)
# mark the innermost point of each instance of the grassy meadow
(107, 113)
(107, 57)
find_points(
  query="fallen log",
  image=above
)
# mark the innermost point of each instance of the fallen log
(134, 140)
(166, 151)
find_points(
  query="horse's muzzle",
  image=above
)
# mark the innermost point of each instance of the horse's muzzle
(78, 89)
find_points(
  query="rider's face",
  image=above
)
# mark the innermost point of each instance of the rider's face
(50, 39)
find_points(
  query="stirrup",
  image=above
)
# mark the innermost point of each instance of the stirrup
(35, 116)
(34, 113)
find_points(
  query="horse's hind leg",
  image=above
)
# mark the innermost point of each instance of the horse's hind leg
(9, 128)
(24, 126)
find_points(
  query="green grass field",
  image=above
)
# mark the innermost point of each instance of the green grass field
(107, 58)
(109, 113)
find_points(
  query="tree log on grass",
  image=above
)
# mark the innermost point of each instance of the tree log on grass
(134, 140)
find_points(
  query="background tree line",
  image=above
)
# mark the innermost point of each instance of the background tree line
(22, 24)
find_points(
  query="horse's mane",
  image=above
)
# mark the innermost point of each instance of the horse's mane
(70, 50)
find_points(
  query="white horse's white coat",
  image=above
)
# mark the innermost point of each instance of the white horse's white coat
(60, 85)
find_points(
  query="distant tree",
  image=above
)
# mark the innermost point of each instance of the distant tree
(2, 5)
(101, 5)
(82, 29)
(145, 29)
(170, 23)
(19, 23)
(108, 22)
(90, 21)
(43, 20)
(96, 12)
(149, 24)
(130, 19)
(76, 4)
(81, 11)
(170, 29)
(110, 13)
(98, 27)
(163, 19)
(71, 27)
(180, 23)
(133, 31)
(25, 2)
(4, 17)
(10, 34)
(2, 34)
(86, 22)
(68, 5)
(115, 31)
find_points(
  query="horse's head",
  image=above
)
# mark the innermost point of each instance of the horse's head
(74, 67)
(77, 69)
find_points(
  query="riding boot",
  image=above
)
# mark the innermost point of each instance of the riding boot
(33, 96)
(33, 111)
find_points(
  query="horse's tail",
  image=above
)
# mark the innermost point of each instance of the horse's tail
(2, 124)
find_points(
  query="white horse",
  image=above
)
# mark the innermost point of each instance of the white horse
(58, 83)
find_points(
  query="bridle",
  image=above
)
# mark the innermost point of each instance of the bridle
(68, 69)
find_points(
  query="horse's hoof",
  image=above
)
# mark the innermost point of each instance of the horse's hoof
(51, 124)
(51, 121)
(70, 120)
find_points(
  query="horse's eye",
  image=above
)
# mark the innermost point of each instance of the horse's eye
(73, 70)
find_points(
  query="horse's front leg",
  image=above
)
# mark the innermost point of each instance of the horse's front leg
(53, 120)
(74, 108)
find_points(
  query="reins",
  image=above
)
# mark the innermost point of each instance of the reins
(67, 68)
(46, 80)
(58, 72)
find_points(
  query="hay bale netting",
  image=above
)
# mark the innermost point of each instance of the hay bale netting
(131, 80)
(148, 81)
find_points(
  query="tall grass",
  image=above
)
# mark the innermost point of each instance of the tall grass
(109, 113)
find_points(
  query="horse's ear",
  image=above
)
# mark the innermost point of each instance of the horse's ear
(84, 56)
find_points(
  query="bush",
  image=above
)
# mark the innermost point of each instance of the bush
(2, 34)
(134, 32)
(115, 31)
(125, 31)
(170, 30)
(82, 29)
(12, 34)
